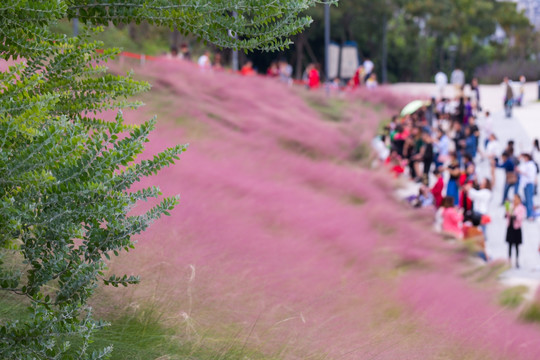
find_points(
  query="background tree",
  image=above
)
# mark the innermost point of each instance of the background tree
(422, 36)
(66, 174)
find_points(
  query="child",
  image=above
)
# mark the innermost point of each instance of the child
(424, 198)
(452, 219)
(475, 236)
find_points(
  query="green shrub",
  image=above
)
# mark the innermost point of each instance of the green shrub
(66, 174)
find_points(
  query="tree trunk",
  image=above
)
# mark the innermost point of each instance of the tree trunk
(384, 56)
(299, 55)
(175, 35)
(132, 30)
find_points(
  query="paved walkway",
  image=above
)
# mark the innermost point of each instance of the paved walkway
(523, 128)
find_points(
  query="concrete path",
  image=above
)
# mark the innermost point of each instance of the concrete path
(523, 128)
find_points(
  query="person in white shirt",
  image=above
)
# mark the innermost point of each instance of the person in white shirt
(492, 148)
(368, 68)
(487, 125)
(481, 199)
(457, 78)
(441, 80)
(380, 148)
(204, 61)
(528, 171)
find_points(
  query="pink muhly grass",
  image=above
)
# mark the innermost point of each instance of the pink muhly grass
(297, 245)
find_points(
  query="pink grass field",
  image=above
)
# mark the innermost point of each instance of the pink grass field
(284, 243)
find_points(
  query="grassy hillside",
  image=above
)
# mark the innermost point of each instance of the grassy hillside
(286, 245)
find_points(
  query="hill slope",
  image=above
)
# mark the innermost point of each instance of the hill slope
(284, 242)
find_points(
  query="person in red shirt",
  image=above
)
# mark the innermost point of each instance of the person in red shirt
(314, 77)
(437, 189)
(393, 161)
(358, 76)
(247, 69)
(273, 70)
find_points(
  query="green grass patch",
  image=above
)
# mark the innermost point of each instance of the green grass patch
(300, 148)
(485, 273)
(532, 313)
(382, 125)
(330, 109)
(513, 296)
(356, 200)
(360, 153)
(146, 333)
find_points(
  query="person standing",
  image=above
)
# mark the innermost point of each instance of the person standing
(459, 140)
(514, 219)
(358, 77)
(457, 78)
(470, 143)
(173, 54)
(314, 77)
(247, 69)
(527, 170)
(452, 188)
(486, 127)
(508, 98)
(511, 178)
(442, 148)
(475, 130)
(285, 72)
(427, 153)
(522, 82)
(441, 80)
(368, 68)
(437, 189)
(204, 61)
(475, 89)
(184, 52)
(481, 199)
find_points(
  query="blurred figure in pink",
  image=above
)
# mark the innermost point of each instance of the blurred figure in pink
(217, 62)
(452, 219)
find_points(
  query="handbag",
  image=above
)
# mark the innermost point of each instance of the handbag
(511, 178)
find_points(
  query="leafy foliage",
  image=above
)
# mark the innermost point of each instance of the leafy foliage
(66, 174)
(424, 36)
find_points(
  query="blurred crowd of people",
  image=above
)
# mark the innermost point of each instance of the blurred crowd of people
(311, 77)
(214, 61)
(440, 145)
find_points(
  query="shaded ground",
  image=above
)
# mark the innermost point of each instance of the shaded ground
(284, 243)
